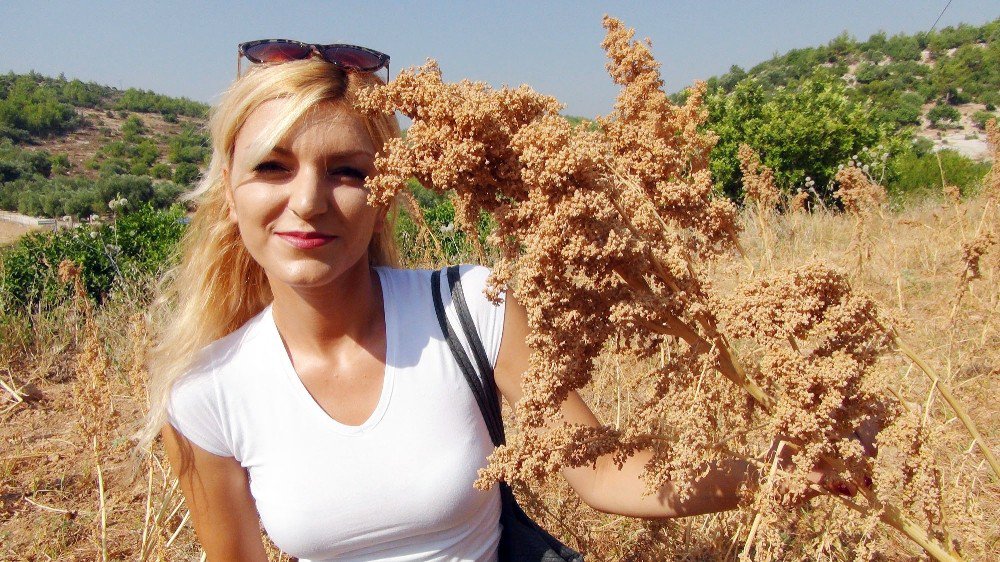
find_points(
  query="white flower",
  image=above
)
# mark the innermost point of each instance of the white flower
(447, 228)
(93, 234)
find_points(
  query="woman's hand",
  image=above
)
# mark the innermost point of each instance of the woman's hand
(823, 475)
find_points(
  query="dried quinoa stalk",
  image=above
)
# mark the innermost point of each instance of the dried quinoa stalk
(603, 235)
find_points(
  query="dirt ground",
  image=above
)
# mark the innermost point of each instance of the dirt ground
(10, 231)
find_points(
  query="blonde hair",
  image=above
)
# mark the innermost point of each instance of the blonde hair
(197, 304)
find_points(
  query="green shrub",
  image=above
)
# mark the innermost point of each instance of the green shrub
(186, 173)
(189, 145)
(943, 116)
(906, 110)
(981, 117)
(28, 107)
(138, 243)
(161, 171)
(919, 173)
(61, 164)
(133, 128)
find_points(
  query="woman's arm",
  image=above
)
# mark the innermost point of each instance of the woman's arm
(606, 487)
(218, 495)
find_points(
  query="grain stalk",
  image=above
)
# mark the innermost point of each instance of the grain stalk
(955, 405)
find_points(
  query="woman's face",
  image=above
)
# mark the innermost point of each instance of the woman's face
(302, 211)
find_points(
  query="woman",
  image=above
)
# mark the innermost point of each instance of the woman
(306, 378)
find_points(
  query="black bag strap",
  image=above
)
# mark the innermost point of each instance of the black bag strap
(483, 388)
(478, 349)
(521, 538)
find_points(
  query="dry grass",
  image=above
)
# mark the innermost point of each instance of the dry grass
(73, 393)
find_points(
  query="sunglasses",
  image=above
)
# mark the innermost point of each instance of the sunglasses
(346, 57)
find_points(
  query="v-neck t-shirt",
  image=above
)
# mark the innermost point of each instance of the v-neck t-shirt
(396, 487)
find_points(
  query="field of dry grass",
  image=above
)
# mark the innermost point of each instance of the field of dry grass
(71, 487)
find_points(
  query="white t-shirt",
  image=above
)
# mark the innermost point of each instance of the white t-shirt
(397, 487)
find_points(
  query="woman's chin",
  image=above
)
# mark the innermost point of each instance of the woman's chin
(308, 277)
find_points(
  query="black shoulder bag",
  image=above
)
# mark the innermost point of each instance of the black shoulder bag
(521, 539)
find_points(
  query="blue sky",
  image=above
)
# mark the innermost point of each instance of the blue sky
(188, 48)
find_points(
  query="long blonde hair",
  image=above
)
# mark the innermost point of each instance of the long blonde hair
(217, 286)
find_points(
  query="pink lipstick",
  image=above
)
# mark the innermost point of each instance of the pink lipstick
(306, 240)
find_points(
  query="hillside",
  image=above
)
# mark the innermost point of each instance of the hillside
(68, 147)
(943, 85)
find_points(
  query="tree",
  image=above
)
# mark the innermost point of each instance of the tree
(802, 132)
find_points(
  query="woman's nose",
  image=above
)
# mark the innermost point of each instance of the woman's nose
(308, 195)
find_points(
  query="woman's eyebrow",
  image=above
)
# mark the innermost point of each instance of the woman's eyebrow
(334, 155)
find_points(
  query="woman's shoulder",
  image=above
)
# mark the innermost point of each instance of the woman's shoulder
(231, 348)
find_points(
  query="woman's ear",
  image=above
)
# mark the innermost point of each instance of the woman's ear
(227, 187)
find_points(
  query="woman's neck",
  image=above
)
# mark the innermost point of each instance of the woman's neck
(316, 320)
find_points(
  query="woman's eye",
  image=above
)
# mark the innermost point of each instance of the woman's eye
(269, 166)
(353, 174)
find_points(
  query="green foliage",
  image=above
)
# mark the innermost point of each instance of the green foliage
(137, 243)
(918, 172)
(903, 47)
(906, 110)
(146, 101)
(942, 116)
(439, 213)
(133, 128)
(189, 145)
(890, 67)
(186, 173)
(16, 163)
(29, 108)
(980, 118)
(61, 164)
(805, 132)
(133, 155)
(161, 171)
(37, 195)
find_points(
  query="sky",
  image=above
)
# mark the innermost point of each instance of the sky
(188, 48)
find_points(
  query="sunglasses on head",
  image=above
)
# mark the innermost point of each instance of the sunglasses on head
(346, 57)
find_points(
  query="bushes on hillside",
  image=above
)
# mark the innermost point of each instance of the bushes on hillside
(145, 101)
(81, 197)
(28, 108)
(943, 116)
(137, 243)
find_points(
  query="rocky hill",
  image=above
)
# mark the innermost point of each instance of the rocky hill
(943, 85)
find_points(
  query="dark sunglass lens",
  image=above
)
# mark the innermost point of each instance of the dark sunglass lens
(277, 52)
(350, 57)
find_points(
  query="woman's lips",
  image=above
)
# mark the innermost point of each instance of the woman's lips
(306, 240)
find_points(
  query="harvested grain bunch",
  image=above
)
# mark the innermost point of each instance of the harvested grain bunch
(604, 235)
